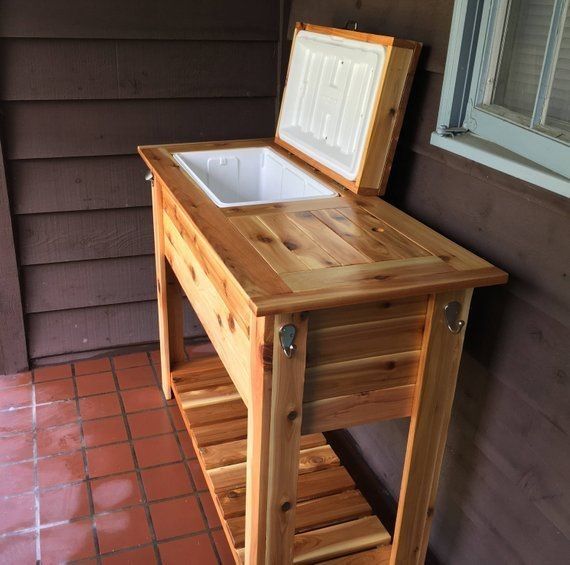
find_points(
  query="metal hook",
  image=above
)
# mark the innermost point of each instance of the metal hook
(286, 339)
(452, 312)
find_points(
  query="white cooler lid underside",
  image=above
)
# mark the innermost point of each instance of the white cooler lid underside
(330, 97)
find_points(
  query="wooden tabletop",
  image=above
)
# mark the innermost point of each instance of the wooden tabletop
(319, 253)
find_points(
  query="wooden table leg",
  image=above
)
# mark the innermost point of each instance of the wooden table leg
(274, 432)
(169, 296)
(431, 412)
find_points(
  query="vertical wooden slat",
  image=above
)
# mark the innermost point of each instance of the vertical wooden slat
(13, 353)
(170, 323)
(285, 432)
(435, 389)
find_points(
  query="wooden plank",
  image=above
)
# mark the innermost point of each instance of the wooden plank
(56, 238)
(67, 69)
(86, 329)
(13, 351)
(212, 434)
(310, 485)
(342, 251)
(380, 556)
(367, 339)
(360, 375)
(441, 353)
(289, 207)
(268, 245)
(91, 183)
(219, 19)
(347, 411)
(294, 239)
(116, 127)
(310, 460)
(232, 452)
(317, 513)
(62, 286)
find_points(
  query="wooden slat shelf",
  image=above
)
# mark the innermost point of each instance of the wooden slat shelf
(333, 520)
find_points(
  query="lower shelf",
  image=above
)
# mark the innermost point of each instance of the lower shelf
(333, 520)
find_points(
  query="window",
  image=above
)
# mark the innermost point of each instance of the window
(506, 93)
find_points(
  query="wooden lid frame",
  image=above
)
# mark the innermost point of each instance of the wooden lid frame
(388, 111)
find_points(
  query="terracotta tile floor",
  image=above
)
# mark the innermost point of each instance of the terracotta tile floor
(96, 467)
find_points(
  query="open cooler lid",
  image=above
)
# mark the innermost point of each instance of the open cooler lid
(331, 112)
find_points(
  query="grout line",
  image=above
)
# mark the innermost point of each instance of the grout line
(36, 477)
(137, 470)
(86, 470)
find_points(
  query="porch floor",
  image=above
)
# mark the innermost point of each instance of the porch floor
(96, 467)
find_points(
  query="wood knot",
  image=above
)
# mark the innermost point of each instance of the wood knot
(231, 323)
(286, 506)
(391, 365)
(381, 277)
(292, 415)
(264, 238)
(290, 245)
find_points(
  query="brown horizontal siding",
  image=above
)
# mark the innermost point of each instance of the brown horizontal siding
(141, 19)
(80, 183)
(65, 286)
(49, 69)
(101, 327)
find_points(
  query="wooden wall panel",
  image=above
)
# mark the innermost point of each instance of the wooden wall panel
(141, 19)
(49, 69)
(63, 286)
(84, 183)
(114, 127)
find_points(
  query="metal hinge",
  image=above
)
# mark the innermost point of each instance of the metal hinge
(446, 131)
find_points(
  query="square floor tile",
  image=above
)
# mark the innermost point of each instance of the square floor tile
(139, 556)
(91, 366)
(16, 396)
(197, 475)
(95, 384)
(17, 379)
(223, 547)
(210, 510)
(54, 390)
(18, 550)
(194, 550)
(177, 418)
(176, 517)
(122, 529)
(17, 478)
(99, 406)
(56, 414)
(65, 503)
(15, 420)
(59, 439)
(115, 492)
(136, 377)
(51, 373)
(130, 360)
(155, 356)
(109, 459)
(157, 450)
(142, 399)
(150, 423)
(187, 446)
(17, 513)
(104, 431)
(67, 542)
(166, 481)
(16, 447)
(61, 469)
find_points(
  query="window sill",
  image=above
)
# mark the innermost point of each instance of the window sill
(472, 147)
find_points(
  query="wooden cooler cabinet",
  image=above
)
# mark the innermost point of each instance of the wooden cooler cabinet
(326, 308)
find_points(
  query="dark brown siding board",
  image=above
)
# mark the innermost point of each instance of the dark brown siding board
(54, 238)
(67, 69)
(87, 128)
(141, 19)
(64, 286)
(85, 329)
(13, 353)
(83, 183)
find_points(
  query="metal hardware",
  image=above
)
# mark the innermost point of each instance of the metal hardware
(452, 312)
(149, 177)
(351, 25)
(446, 131)
(287, 335)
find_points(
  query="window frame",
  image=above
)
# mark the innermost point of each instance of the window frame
(496, 141)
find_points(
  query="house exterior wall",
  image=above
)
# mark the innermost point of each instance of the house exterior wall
(81, 85)
(504, 494)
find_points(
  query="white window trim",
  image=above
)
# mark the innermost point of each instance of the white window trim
(464, 62)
